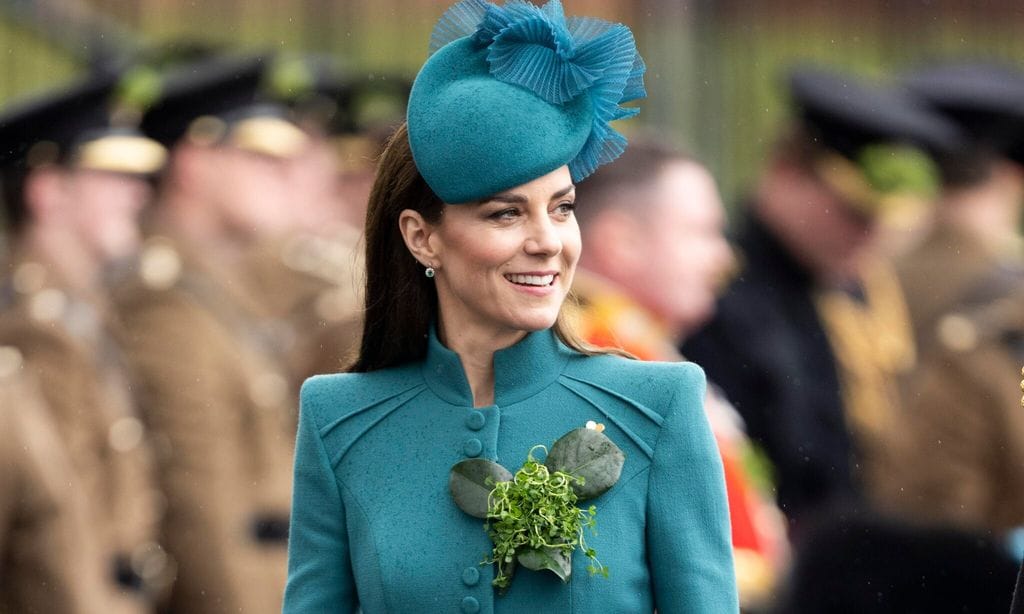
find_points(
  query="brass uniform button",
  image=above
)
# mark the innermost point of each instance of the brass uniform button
(160, 265)
(47, 305)
(958, 333)
(125, 434)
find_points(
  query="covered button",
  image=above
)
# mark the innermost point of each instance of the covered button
(472, 447)
(476, 420)
(470, 605)
(470, 576)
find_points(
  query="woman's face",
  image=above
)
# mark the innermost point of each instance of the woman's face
(505, 264)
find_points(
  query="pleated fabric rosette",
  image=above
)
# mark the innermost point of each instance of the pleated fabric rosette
(511, 93)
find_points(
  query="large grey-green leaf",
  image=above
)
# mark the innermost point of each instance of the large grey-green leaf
(469, 485)
(588, 454)
(552, 559)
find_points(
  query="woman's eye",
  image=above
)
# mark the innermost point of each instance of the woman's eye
(565, 209)
(504, 214)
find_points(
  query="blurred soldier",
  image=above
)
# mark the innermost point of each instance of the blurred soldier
(48, 556)
(312, 275)
(807, 340)
(73, 187)
(961, 459)
(215, 393)
(655, 222)
(307, 275)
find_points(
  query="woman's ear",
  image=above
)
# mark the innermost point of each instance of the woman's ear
(416, 233)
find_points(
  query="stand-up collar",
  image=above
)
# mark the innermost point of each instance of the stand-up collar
(520, 370)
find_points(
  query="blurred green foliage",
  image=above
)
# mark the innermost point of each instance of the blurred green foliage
(30, 62)
(716, 67)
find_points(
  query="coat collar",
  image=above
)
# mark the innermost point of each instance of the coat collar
(520, 371)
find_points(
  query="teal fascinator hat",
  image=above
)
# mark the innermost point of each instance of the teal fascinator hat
(511, 93)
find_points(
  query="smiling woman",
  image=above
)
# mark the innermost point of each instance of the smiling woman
(465, 365)
(504, 265)
(527, 230)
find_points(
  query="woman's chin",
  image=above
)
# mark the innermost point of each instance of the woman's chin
(533, 322)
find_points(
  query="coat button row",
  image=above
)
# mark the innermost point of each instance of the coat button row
(470, 605)
(476, 420)
(472, 447)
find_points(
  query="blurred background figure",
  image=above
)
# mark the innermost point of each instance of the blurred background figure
(73, 186)
(210, 374)
(657, 226)
(655, 258)
(812, 341)
(867, 563)
(47, 548)
(809, 337)
(960, 458)
(308, 277)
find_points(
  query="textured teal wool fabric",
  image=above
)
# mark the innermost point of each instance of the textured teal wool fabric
(511, 93)
(473, 136)
(374, 526)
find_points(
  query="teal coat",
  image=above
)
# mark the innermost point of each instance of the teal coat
(374, 526)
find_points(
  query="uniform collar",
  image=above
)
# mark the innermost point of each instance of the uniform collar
(520, 371)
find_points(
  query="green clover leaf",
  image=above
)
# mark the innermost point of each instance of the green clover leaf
(591, 457)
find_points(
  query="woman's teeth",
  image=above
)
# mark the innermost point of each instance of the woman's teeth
(530, 280)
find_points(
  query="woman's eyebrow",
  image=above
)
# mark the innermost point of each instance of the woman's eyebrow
(563, 191)
(512, 199)
(519, 199)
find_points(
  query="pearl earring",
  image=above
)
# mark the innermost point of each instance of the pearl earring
(429, 272)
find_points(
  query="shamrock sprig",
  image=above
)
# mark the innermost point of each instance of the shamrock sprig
(533, 517)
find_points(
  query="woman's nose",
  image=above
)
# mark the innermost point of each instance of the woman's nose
(543, 239)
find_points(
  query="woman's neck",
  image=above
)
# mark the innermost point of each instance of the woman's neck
(476, 349)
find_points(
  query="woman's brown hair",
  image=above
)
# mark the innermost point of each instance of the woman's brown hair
(400, 302)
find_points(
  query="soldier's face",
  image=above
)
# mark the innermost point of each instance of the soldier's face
(838, 235)
(253, 192)
(315, 183)
(819, 228)
(507, 263)
(682, 256)
(104, 208)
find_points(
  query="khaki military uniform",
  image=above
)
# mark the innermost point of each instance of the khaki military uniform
(48, 559)
(67, 346)
(960, 454)
(309, 286)
(873, 342)
(221, 410)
